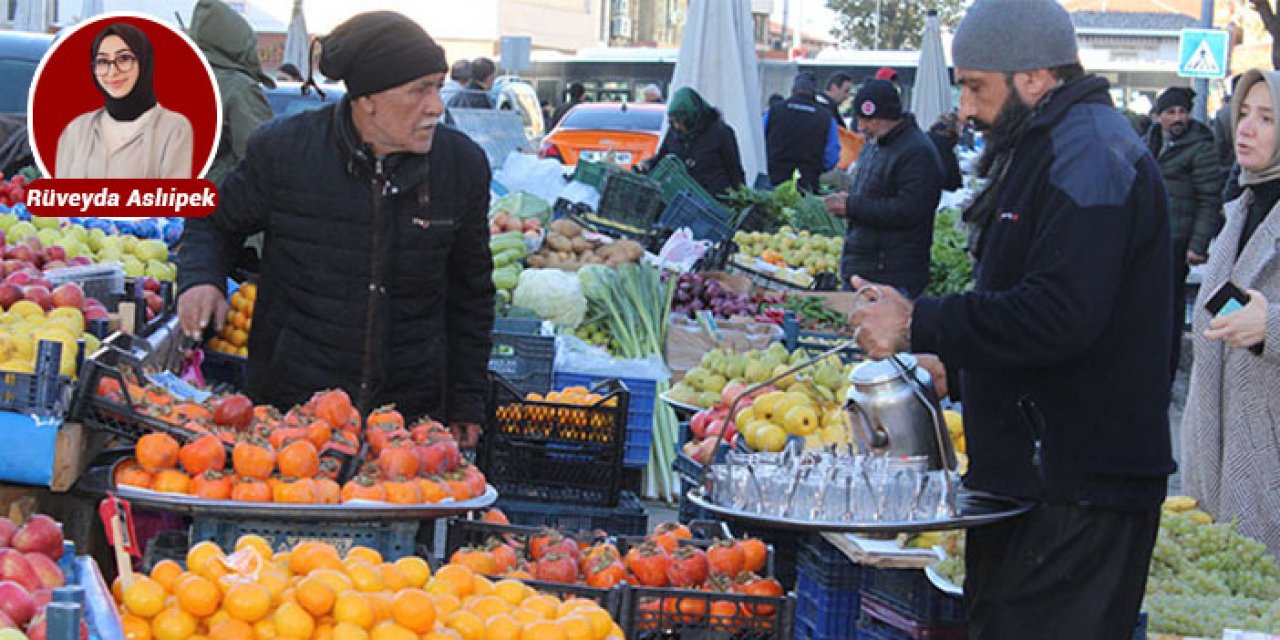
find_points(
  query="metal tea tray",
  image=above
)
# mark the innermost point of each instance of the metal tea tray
(356, 510)
(975, 508)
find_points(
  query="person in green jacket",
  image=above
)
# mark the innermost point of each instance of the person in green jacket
(231, 46)
(1188, 157)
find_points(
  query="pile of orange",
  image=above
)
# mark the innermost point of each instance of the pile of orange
(314, 592)
(234, 337)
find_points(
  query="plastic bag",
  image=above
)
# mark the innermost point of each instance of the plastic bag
(575, 355)
(522, 205)
(553, 294)
(529, 173)
(581, 194)
(681, 251)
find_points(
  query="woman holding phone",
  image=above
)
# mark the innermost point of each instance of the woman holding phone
(1231, 426)
(131, 136)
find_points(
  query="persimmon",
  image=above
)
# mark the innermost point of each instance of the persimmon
(332, 406)
(363, 488)
(191, 412)
(397, 460)
(298, 459)
(171, 481)
(156, 451)
(253, 460)
(205, 453)
(432, 490)
(405, 491)
(212, 485)
(318, 433)
(477, 560)
(282, 436)
(385, 415)
(495, 516)
(130, 473)
(459, 489)
(327, 491)
(251, 490)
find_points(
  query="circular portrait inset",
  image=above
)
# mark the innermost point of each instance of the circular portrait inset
(124, 96)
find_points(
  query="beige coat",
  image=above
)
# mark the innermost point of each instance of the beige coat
(161, 148)
(1231, 425)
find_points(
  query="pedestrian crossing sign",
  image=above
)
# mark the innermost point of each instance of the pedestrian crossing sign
(1202, 53)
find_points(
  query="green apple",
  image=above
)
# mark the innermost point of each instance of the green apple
(96, 236)
(20, 231)
(46, 223)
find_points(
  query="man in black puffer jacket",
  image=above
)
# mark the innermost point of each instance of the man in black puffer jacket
(894, 198)
(376, 272)
(701, 139)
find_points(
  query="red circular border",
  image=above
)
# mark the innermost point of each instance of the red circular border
(64, 87)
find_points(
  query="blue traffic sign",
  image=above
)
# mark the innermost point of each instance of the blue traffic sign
(1202, 53)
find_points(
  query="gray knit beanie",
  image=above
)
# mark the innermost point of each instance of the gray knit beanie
(1014, 35)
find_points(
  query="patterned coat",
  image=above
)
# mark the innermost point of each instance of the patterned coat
(1231, 426)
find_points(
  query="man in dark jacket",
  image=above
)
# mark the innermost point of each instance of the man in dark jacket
(894, 198)
(376, 274)
(577, 95)
(703, 141)
(231, 46)
(945, 134)
(1062, 348)
(839, 86)
(476, 95)
(1188, 161)
(800, 135)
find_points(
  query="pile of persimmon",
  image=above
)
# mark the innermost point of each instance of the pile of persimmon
(313, 591)
(296, 458)
(234, 336)
(571, 407)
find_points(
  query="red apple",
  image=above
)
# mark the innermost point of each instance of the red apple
(9, 294)
(14, 566)
(20, 252)
(40, 533)
(698, 424)
(40, 281)
(41, 597)
(54, 264)
(12, 265)
(5, 622)
(155, 303)
(38, 629)
(39, 295)
(80, 261)
(96, 313)
(54, 252)
(7, 527)
(15, 602)
(35, 244)
(149, 284)
(46, 569)
(68, 295)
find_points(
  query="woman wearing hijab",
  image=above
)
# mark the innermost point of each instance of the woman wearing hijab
(1231, 427)
(131, 136)
(700, 138)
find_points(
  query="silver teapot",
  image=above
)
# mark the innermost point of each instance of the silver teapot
(893, 411)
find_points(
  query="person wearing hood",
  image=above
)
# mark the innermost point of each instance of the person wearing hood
(801, 136)
(701, 139)
(376, 272)
(131, 136)
(231, 47)
(1188, 159)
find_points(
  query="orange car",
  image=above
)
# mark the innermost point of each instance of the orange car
(591, 130)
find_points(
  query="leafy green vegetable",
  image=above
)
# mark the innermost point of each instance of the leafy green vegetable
(950, 268)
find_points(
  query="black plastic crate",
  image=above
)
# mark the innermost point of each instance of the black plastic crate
(650, 613)
(224, 368)
(629, 203)
(43, 392)
(393, 539)
(786, 550)
(880, 621)
(828, 566)
(538, 450)
(521, 355)
(123, 417)
(609, 599)
(796, 338)
(477, 533)
(626, 543)
(673, 178)
(909, 593)
(826, 612)
(628, 518)
(705, 221)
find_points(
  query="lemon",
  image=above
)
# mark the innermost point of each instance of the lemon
(27, 309)
(72, 317)
(19, 366)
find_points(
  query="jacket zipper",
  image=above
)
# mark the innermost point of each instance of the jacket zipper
(1035, 424)
(379, 185)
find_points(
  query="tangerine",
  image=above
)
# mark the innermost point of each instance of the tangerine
(389, 630)
(166, 572)
(354, 608)
(315, 596)
(292, 620)
(348, 631)
(461, 578)
(542, 630)
(413, 609)
(199, 597)
(173, 624)
(415, 569)
(247, 601)
(231, 629)
(135, 628)
(468, 624)
(144, 598)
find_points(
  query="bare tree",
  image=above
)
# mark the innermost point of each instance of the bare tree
(1272, 23)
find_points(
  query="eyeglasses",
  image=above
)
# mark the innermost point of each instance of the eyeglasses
(123, 62)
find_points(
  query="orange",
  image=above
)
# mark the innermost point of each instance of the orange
(315, 596)
(576, 627)
(442, 634)
(200, 553)
(257, 543)
(336, 580)
(481, 586)
(247, 601)
(219, 617)
(144, 598)
(348, 631)
(135, 628)
(117, 589)
(502, 627)
(231, 630)
(311, 555)
(353, 607)
(468, 625)
(544, 605)
(365, 577)
(380, 602)
(526, 616)
(366, 554)
(166, 572)
(265, 629)
(292, 620)
(513, 591)
(324, 631)
(461, 578)
(414, 610)
(488, 606)
(439, 588)
(276, 582)
(199, 597)
(542, 630)
(445, 605)
(601, 621)
(394, 578)
(415, 569)
(389, 630)
(173, 624)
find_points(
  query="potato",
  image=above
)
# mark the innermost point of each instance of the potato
(537, 261)
(567, 228)
(559, 242)
(581, 244)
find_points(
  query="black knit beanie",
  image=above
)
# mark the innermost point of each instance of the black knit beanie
(376, 51)
(1175, 97)
(143, 96)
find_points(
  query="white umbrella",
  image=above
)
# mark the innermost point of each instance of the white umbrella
(718, 60)
(296, 45)
(932, 92)
(90, 8)
(31, 15)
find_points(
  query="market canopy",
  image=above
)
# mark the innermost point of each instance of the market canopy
(932, 91)
(718, 60)
(296, 49)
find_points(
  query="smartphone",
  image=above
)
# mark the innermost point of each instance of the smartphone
(1226, 300)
